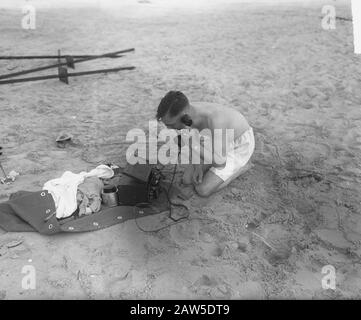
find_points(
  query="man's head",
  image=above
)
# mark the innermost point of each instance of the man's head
(172, 110)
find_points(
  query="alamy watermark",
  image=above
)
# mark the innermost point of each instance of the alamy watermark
(329, 280)
(28, 282)
(205, 146)
(28, 21)
(328, 21)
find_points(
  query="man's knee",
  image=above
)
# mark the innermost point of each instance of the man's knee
(203, 191)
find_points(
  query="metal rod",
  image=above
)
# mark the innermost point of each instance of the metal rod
(54, 57)
(15, 74)
(75, 74)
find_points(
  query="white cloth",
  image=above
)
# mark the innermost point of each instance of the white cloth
(240, 153)
(64, 189)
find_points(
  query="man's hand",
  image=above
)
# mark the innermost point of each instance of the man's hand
(198, 174)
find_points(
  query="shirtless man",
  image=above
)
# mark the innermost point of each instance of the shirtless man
(177, 113)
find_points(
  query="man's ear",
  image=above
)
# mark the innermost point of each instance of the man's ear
(187, 120)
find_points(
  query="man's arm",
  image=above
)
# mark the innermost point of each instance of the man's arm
(219, 148)
(212, 150)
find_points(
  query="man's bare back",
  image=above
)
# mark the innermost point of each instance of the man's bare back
(222, 117)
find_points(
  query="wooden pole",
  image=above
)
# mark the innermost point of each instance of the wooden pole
(54, 57)
(20, 73)
(75, 74)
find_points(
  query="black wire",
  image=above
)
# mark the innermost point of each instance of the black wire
(167, 192)
(170, 202)
(169, 209)
(176, 221)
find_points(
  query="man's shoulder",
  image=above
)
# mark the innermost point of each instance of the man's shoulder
(206, 103)
(212, 107)
(219, 112)
(203, 104)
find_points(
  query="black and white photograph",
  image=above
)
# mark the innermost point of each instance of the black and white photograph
(180, 150)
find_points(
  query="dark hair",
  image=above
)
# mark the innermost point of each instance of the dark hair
(173, 103)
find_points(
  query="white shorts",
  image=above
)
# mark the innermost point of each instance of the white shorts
(240, 153)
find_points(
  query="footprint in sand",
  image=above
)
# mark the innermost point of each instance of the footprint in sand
(206, 281)
(307, 152)
(352, 140)
(182, 234)
(211, 286)
(278, 242)
(206, 237)
(213, 249)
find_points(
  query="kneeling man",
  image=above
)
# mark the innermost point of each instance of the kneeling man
(227, 164)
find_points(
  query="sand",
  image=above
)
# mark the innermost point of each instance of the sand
(296, 210)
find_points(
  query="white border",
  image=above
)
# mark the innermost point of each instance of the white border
(356, 18)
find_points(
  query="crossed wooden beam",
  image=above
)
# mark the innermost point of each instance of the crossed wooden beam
(63, 74)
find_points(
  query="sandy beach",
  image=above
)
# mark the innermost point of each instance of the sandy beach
(295, 211)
